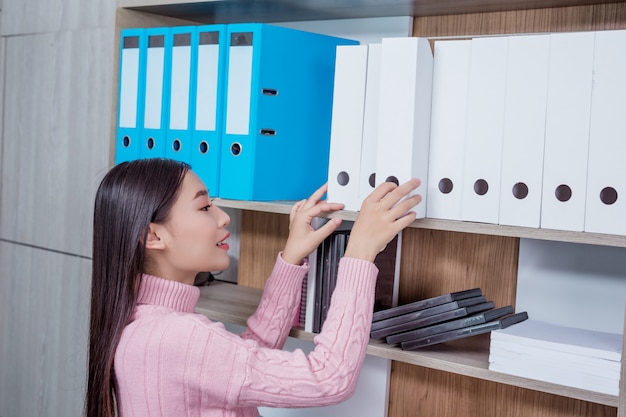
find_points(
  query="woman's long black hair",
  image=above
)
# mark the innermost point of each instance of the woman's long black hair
(130, 197)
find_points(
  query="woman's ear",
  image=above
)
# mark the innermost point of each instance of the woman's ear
(153, 240)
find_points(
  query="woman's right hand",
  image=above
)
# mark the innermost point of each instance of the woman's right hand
(382, 216)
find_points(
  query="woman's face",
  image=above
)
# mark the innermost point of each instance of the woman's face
(194, 234)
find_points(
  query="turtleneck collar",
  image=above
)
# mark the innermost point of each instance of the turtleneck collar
(167, 293)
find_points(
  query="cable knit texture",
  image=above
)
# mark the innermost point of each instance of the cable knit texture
(173, 362)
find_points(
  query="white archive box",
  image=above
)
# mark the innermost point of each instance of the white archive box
(524, 130)
(367, 177)
(567, 131)
(605, 208)
(447, 128)
(483, 140)
(404, 113)
(347, 125)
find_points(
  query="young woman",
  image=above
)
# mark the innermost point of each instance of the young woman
(155, 228)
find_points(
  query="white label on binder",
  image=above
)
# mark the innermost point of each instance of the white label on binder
(179, 96)
(129, 87)
(206, 89)
(239, 90)
(154, 87)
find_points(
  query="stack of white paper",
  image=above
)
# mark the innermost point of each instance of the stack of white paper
(562, 355)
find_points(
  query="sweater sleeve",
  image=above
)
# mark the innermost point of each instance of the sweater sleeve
(328, 374)
(173, 363)
(273, 319)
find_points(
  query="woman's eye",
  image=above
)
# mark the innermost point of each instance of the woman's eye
(208, 206)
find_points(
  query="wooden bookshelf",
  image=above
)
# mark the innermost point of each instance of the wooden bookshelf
(437, 255)
(228, 11)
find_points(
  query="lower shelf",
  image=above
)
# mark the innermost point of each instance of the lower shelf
(230, 303)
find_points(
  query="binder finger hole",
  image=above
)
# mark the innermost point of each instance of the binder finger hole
(446, 185)
(563, 193)
(176, 145)
(235, 148)
(203, 147)
(343, 178)
(393, 179)
(608, 195)
(372, 180)
(241, 39)
(269, 92)
(150, 143)
(481, 187)
(520, 191)
(126, 141)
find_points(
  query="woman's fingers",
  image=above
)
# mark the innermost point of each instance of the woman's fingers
(317, 195)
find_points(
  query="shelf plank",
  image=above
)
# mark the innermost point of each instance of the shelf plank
(283, 207)
(227, 302)
(228, 11)
(230, 303)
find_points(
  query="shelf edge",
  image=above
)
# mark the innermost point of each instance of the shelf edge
(283, 207)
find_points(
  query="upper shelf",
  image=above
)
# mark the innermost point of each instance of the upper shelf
(453, 225)
(228, 11)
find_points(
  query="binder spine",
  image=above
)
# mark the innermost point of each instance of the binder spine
(131, 89)
(207, 108)
(158, 60)
(237, 174)
(181, 93)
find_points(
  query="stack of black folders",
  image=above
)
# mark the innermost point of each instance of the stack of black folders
(440, 319)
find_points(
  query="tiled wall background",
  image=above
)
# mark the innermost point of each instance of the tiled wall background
(55, 83)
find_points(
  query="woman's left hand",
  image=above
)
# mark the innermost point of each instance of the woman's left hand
(303, 238)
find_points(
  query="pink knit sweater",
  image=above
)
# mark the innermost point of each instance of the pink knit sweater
(172, 362)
